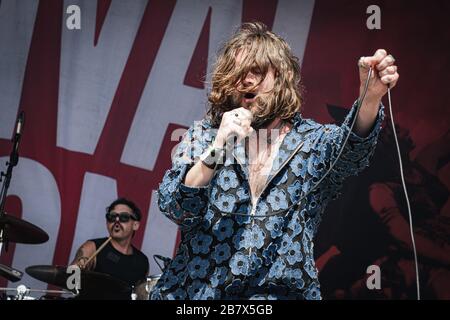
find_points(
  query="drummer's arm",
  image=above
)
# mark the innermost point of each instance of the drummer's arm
(86, 250)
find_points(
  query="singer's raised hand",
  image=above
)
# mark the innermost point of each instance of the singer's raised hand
(384, 74)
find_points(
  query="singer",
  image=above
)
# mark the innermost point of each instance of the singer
(244, 186)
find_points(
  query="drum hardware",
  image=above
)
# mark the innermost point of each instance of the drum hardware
(142, 289)
(13, 229)
(24, 293)
(166, 261)
(10, 273)
(92, 284)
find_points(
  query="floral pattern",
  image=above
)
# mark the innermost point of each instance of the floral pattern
(277, 199)
(294, 277)
(254, 237)
(198, 268)
(227, 180)
(274, 226)
(221, 253)
(223, 229)
(225, 256)
(200, 243)
(240, 264)
(219, 276)
(276, 271)
(225, 202)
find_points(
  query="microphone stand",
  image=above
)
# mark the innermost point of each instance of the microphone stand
(13, 160)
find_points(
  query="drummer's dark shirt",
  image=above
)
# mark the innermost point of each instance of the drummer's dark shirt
(128, 268)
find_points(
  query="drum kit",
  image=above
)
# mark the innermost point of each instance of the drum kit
(93, 285)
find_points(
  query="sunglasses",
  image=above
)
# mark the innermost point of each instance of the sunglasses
(123, 217)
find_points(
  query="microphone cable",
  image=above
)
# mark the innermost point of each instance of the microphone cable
(416, 263)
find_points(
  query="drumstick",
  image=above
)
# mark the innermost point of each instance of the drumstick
(98, 250)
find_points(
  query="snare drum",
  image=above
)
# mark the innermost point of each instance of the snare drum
(142, 288)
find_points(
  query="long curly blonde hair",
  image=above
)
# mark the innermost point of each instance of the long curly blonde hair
(261, 49)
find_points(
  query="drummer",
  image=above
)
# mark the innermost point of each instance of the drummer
(119, 258)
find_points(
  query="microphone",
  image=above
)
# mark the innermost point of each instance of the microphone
(10, 273)
(20, 122)
(14, 157)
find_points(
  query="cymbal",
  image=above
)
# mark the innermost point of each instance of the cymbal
(92, 283)
(20, 231)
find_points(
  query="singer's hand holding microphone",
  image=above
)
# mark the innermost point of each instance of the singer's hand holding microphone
(235, 123)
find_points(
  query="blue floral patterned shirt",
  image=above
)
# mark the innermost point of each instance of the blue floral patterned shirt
(224, 256)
